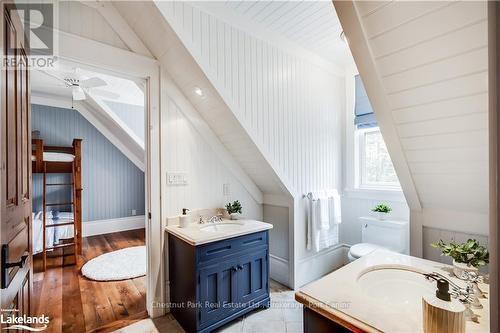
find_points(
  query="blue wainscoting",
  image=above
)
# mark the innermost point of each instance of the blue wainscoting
(112, 185)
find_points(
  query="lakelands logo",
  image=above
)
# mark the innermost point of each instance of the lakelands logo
(28, 323)
(37, 35)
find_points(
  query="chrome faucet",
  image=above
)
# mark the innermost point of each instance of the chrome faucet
(214, 219)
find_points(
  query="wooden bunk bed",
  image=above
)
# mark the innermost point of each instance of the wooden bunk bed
(56, 159)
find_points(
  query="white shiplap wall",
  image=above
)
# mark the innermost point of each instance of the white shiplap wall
(185, 151)
(289, 106)
(276, 112)
(427, 63)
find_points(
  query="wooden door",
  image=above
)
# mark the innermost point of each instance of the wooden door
(15, 181)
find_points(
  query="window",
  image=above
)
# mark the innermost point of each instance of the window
(374, 163)
(374, 169)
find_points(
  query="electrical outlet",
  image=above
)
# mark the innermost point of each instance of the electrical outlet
(226, 190)
(177, 178)
(134, 212)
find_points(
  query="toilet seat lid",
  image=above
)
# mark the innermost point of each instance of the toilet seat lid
(362, 249)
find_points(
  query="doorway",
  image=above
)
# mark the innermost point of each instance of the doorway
(92, 278)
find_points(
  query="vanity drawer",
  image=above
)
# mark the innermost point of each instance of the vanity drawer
(228, 247)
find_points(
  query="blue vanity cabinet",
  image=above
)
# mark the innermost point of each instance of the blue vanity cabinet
(214, 283)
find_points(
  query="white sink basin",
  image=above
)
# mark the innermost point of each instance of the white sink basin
(221, 227)
(397, 287)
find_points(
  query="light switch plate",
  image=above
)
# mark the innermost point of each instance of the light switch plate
(177, 178)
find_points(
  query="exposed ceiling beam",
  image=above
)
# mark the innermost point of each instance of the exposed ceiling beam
(108, 59)
(120, 26)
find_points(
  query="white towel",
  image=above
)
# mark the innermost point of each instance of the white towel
(324, 213)
(317, 237)
(335, 210)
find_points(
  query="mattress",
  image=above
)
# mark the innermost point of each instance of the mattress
(54, 235)
(56, 157)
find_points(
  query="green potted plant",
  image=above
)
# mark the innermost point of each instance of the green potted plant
(233, 209)
(468, 256)
(382, 210)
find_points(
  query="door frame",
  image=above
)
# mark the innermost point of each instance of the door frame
(494, 155)
(93, 55)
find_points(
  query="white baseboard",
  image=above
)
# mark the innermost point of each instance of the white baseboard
(101, 227)
(279, 269)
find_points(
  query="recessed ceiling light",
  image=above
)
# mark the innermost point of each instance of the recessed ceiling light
(198, 91)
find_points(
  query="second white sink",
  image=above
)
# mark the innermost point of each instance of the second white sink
(397, 287)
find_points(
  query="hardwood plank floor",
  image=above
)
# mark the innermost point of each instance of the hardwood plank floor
(76, 304)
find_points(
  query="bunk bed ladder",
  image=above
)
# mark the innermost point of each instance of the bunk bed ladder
(75, 221)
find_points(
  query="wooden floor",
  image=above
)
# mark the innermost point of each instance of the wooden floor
(76, 304)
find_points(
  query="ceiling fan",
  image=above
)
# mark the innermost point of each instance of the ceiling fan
(81, 85)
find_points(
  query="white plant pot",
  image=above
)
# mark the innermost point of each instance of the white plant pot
(382, 216)
(459, 269)
(234, 216)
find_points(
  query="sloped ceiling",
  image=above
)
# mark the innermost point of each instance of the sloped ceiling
(314, 25)
(47, 89)
(151, 26)
(424, 65)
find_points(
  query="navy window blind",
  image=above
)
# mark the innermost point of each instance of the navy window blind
(363, 112)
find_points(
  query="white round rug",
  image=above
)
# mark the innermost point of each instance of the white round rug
(123, 264)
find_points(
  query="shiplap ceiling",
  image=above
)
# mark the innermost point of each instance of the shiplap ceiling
(314, 25)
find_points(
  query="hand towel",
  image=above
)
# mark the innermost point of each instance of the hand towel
(335, 210)
(324, 213)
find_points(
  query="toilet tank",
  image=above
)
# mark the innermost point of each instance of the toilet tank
(391, 234)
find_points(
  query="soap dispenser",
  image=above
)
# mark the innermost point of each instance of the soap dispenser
(442, 314)
(184, 218)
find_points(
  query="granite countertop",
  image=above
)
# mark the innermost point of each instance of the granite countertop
(339, 296)
(194, 234)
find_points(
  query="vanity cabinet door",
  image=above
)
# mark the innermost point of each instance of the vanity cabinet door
(252, 276)
(217, 291)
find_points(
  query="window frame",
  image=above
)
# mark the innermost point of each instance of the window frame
(360, 164)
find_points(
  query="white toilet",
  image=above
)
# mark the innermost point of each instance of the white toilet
(380, 234)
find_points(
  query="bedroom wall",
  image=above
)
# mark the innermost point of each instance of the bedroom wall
(112, 185)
